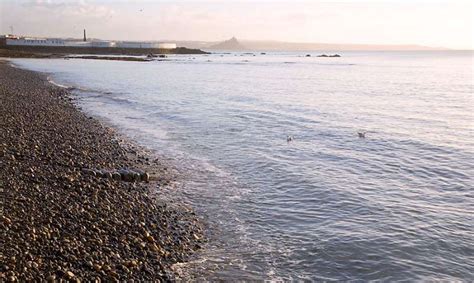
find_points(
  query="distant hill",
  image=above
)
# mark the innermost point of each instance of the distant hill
(297, 46)
(256, 45)
(231, 44)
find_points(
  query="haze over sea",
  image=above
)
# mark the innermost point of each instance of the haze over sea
(327, 205)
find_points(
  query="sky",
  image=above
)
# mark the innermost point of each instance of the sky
(430, 23)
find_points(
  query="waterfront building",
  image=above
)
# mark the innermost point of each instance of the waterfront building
(102, 43)
(134, 44)
(33, 41)
(165, 45)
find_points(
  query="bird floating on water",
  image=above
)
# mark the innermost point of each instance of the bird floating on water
(361, 135)
(289, 138)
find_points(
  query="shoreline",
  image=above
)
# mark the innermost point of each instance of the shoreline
(92, 52)
(59, 221)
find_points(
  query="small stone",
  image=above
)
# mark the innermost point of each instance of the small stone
(6, 220)
(126, 176)
(150, 238)
(113, 274)
(107, 175)
(116, 176)
(136, 177)
(70, 275)
(86, 171)
(131, 263)
(145, 177)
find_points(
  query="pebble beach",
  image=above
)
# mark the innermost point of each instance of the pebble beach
(70, 208)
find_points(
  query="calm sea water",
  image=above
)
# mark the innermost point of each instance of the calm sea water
(327, 205)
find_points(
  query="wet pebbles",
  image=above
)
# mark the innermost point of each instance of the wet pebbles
(75, 202)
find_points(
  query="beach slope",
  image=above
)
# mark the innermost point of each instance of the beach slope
(61, 221)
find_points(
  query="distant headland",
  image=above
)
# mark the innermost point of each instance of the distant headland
(234, 44)
(231, 44)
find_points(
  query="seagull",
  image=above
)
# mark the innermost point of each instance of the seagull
(289, 138)
(361, 135)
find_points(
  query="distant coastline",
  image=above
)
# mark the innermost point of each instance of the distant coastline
(61, 51)
(273, 45)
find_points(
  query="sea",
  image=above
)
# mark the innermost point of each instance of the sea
(301, 167)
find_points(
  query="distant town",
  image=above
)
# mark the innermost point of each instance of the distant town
(16, 40)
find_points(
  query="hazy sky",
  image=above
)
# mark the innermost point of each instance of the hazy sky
(431, 23)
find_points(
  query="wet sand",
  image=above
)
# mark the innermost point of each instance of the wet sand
(63, 215)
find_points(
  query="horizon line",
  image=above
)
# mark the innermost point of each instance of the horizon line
(439, 48)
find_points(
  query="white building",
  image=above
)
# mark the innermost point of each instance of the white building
(165, 45)
(30, 41)
(134, 44)
(101, 43)
(78, 43)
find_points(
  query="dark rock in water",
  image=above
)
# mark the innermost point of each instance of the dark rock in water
(329, 56)
(361, 135)
(308, 55)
